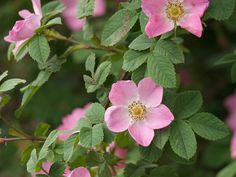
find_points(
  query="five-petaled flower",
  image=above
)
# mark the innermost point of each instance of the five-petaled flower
(165, 15)
(138, 109)
(25, 29)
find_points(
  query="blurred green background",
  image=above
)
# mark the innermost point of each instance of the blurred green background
(66, 91)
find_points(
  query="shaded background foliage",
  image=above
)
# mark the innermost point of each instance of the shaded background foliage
(66, 89)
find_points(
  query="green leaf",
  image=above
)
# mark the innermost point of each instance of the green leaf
(233, 73)
(164, 171)
(162, 71)
(132, 170)
(42, 129)
(4, 99)
(221, 9)
(10, 84)
(161, 137)
(52, 137)
(10, 54)
(52, 7)
(139, 73)
(208, 126)
(150, 153)
(57, 169)
(187, 103)
(229, 171)
(3, 75)
(118, 26)
(142, 42)
(133, 59)
(33, 164)
(39, 48)
(95, 113)
(102, 72)
(85, 8)
(104, 170)
(182, 139)
(22, 50)
(108, 135)
(90, 63)
(25, 155)
(94, 159)
(90, 137)
(227, 59)
(84, 122)
(143, 19)
(170, 50)
(69, 146)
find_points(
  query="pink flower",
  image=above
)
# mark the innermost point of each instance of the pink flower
(138, 109)
(79, 172)
(233, 146)
(70, 13)
(70, 121)
(25, 29)
(164, 15)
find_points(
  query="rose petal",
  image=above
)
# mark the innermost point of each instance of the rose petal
(37, 7)
(79, 172)
(153, 7)
(123, 93)
(117, 118)
(25, 13)
(158, 25)
(233, 146)
(192, 23)
(141, 133)
(150, 93)
(159, 117)
(196, 6)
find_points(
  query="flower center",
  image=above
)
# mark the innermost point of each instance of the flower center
(174, 10)
(137, 110)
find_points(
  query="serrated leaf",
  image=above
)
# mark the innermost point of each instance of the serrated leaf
(102, 72)
(85, 8)
(22, 50)
(39, 48)
(139, 73)
(132, 170)
(221, 9)
(95, 113)
(142, 42)
(133, 59)
(143, 19)
(170, 50)
(10, 84)
(69, 145)
(187, 103)
(208, 126)
(104, 170)
(162, 71)
(52, 137)
(41, 129)
(118, 26)
(32, 163)
(150, 153)
(182, 139)
(90, 63)
(94, 158)
(90, 137)
(161, 137)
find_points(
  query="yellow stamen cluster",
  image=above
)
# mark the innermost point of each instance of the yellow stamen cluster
(137, 111)
(174, 10)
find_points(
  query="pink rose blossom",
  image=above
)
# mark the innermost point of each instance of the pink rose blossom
(79, 172)
(233, 146)
(25, 29)
(138, 109)
(70, 121)
(70, 13)
(165, 15)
